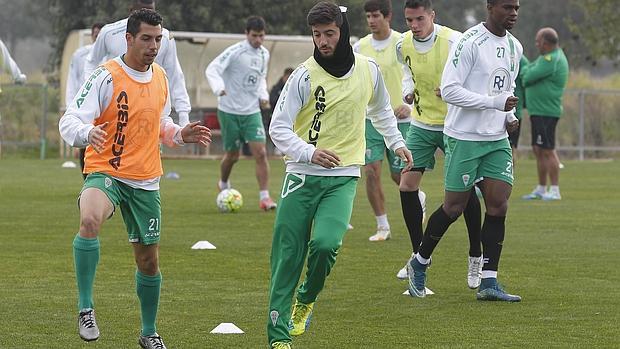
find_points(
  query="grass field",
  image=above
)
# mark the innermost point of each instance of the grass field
(561, 257)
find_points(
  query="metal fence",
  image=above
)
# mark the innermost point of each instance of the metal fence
(29, 114)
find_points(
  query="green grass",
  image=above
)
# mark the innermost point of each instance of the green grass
(561, 257)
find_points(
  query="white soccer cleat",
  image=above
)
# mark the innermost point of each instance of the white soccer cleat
(87, 326)
(551, 196)
(422, 197)
(474, 271)
(402, 274)
(382, 234)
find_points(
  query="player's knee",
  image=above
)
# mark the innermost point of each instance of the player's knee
(454, 209)
(231, 157)
(260, 153)
(325, 246)
(497, 208)
(147, 264)
(90, 225)
(371, 173)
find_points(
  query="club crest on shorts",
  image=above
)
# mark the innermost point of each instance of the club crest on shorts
(107, 182)
(274, 315)
(465, 179)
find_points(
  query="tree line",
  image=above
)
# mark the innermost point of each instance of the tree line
(586, 27)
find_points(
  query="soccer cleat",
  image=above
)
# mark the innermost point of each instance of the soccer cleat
(382, 234)
(422, 198)
(494, 292)
(281, 345)
(533, 196)
(349, 226)
(300, 321)
(402, 273)
(551, 196)
(474, 271)
(417, 278)
(87, 326)
(267, 204)
(153, 341)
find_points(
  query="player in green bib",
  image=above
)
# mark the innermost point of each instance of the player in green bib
(319, 123)
(423, 52)
(380, 45)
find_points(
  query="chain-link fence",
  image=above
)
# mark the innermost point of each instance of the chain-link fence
(589, 127)
(28, 120)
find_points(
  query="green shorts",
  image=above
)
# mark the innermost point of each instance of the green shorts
(240, 128)
(141, 209)
(423, 144)
(468, 161)
(376, 149)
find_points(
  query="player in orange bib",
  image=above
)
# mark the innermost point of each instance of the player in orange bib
(121, 114)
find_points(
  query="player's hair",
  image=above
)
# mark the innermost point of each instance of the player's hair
(97, 25)
(550, 37)
(325, 13)
(427, 4)
(383, 6)
(255, 23)
(143, 15)
(288, 71)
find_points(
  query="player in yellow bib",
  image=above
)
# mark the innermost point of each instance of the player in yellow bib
(319, 123)
(423, 52)
(380, 45)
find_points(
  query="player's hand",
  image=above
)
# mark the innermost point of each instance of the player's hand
(402, 112)
(264, 104)
(196, 133)
(405, 156)
(438, 92)
(325, 158)
(512, 125)
(222, 93)
(97, 136)
(511, 103)
(409, 99)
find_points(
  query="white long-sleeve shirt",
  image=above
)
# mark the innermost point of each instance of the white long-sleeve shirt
(93, 100)
(7, 64)
(478, 78)
(241, 71)
(75, 78)
(296, 94)
(111, 43)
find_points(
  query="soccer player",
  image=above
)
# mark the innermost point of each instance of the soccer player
(75, 78)
(7, 64)
(544, 81)
(477, 83)
(380, 45)
(238, 77)
(111, 43)
(121, 127)
(513, 137)
(319, 124)
(423, 52)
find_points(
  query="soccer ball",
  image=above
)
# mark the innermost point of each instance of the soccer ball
(229, 200)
